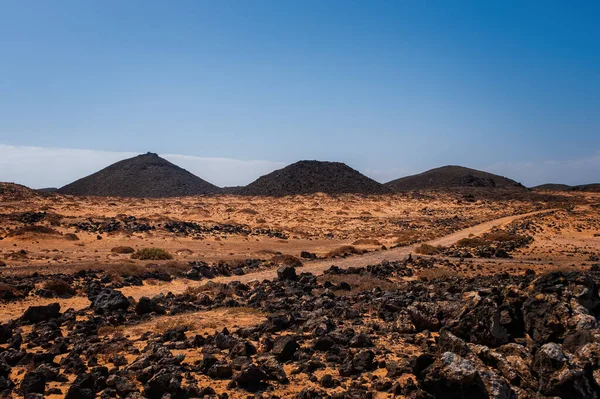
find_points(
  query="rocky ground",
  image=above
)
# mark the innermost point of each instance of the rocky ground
(49, 233)
(510, 311)
(355, 333)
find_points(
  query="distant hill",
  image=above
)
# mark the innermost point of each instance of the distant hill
(452, 177)
(592, 188)
(307, 177)
(552, 187)
(230, 190)
(16, 192)
(143, 176)
(48, 189)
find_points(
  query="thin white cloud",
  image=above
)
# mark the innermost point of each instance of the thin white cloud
(39, 167)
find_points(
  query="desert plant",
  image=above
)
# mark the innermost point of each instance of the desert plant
(173, 268)
(59, 287)
(248, 211)
(358, 282)
(8, 292)
(34, 230)
(288, 260)
(426, 249)
(122, 250)
(342, 251)
(366, 241)
(151, 254)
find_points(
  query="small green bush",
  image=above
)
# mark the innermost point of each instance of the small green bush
(151, 254)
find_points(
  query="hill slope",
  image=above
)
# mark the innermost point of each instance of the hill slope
(552, 187)
(591, 188)
(142, 176)
(452, 177)
(16, 192)
(307, 177)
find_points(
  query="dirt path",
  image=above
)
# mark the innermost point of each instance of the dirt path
(12, 310)
(319, 266)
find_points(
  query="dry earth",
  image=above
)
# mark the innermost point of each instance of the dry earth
(226, 317)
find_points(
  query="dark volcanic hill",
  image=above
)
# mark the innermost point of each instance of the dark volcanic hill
(452, 177)
(307, 177)
(144, 176)
(552, 187)
(592, 188)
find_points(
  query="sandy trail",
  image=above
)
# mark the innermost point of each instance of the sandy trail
(15, 309)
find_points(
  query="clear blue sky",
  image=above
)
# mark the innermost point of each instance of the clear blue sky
(386, 86)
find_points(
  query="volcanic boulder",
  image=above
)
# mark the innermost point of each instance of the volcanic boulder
(35, 314)
(109, 300)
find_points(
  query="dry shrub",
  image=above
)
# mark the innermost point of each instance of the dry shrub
(358, 282)
(408, 237)
(122, 250)
(426, 249)
(366, 241)
(151, 254)
(59, 287)
(34, 230)
(109, 330)
(287, 260)
(210, 287)
(169, 323)
(248, 211)
(109, 350)
(9, 292)
(267, 252)
(471, 242)
(71, 237)
(497, 236)
(117, 269)
(342, 251)
(243, 310)
(173, 267)
(434, 273)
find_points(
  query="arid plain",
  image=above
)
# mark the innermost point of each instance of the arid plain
(296, 296)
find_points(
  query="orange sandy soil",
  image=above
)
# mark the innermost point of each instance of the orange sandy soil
(316, 223)
(567, 237)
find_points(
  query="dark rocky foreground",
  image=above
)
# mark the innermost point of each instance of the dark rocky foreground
(355, 333)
